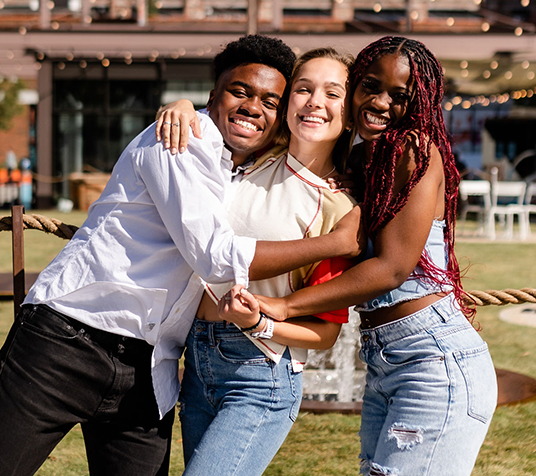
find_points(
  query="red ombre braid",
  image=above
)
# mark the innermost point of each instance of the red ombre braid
(423, 121)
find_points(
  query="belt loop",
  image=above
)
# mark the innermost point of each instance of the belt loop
(440, 308)
(211, 338)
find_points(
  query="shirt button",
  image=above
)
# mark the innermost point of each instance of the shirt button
(150, 326)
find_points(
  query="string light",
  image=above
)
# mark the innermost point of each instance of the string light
(484, 101)
(485, 26)
(377, 7)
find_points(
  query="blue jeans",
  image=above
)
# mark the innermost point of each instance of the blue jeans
(430, 395)
(56, 372)
(237, 406)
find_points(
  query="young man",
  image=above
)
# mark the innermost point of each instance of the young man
(101, 331)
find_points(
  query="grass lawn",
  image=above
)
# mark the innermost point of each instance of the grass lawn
(322, 445)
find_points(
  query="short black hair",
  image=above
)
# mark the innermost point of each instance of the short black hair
(255, 49)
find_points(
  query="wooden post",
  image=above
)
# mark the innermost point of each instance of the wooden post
(17, 236)
(253, 17)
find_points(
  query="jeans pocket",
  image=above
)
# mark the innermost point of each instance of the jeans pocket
(296, 390)
(412, 350)
(47, 324)
(480, 378)
(241, 351)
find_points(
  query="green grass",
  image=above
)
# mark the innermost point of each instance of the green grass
(324, 445)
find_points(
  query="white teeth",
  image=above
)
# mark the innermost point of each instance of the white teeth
(316, 119)
(246, 125)
(379, 121)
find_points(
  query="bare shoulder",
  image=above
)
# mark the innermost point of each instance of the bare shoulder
(415, 143)
(407, 162)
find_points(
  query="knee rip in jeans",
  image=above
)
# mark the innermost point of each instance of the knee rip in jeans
(405, 437)
(369, 468)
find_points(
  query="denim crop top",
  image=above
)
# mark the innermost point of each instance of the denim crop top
(414, 287)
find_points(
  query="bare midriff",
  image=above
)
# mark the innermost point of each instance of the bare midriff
(385, 315)
(207, 310)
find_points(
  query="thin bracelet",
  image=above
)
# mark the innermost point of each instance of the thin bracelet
(252, 328)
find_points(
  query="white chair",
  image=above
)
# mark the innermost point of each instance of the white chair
(529, 206)
(506, 202)
(476, 198)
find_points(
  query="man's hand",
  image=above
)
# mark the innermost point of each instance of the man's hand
(349, 231)
(173, 125)
(276, 308)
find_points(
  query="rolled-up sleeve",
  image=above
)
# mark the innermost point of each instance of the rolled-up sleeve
(188, 192)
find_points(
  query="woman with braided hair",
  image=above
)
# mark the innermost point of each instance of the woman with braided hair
(431, 387)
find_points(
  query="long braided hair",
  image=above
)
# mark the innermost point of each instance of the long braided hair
(423, 121)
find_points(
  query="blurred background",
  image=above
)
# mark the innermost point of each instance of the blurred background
(80, 78)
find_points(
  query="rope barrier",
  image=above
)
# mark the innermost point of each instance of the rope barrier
(480, 298)
(41, 223)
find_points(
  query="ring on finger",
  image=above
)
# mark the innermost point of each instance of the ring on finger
(166, 122)
(176, 124)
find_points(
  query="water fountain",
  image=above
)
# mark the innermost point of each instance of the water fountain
(335, 379)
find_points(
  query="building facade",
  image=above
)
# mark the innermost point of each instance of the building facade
(96, 71)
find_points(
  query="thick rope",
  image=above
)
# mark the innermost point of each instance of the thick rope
(41, 223)
(480, 298)
(501, 298)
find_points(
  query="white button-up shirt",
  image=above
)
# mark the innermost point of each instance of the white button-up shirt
(135, 266)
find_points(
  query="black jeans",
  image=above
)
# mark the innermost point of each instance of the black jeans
(56, 372)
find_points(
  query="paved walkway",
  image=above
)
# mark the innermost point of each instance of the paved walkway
(520, 314)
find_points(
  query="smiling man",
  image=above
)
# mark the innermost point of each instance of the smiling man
(100, 333)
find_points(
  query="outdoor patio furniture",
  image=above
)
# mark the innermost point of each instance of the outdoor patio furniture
(507, 201)
(530, 208)
(476, 198)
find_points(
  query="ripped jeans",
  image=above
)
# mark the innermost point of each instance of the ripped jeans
(430, 395)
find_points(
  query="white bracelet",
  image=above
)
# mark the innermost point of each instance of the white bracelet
(267, 332)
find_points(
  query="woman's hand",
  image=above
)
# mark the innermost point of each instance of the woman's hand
(351, 233)
(345, 182)
(173, 125)
(240, 307)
